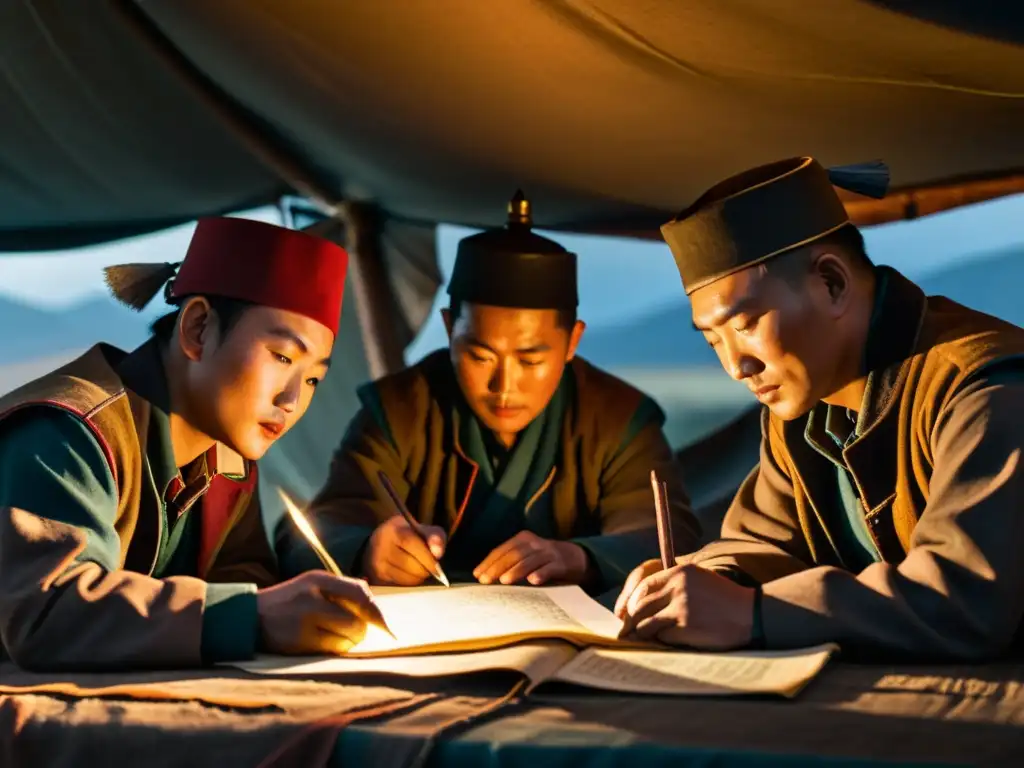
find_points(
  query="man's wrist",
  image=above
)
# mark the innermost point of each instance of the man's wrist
(580, 568)
(361, 563)
(757, 623)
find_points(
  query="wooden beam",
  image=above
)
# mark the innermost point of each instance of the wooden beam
(901, 204)
(915, 202)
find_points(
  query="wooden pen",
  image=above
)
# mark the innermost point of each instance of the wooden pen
(665, 541)
(400, 507)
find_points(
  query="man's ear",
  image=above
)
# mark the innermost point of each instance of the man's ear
(195, 327)
(574, 339)
(446, 316)
(835, 277)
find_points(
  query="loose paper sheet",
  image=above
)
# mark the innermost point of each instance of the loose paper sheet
(537, 660)
(691, 673)
(472, 616)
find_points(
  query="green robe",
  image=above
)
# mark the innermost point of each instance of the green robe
(848, 528)
(579, 472)
(508, 478)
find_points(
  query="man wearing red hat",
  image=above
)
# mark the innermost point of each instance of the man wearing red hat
(129, 532)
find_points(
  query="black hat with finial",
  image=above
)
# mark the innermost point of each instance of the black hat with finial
(514, 267)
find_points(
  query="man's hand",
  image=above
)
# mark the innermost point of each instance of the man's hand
(397, 556)
(316, 612)
(637, 575)
(528, 556)
(689, 605)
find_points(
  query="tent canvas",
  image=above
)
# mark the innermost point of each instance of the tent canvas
(126, 116)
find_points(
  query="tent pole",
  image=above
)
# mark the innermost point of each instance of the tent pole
(375, 301)
(374, 297)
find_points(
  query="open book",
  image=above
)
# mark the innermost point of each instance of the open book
(470, 617)
(548, 634)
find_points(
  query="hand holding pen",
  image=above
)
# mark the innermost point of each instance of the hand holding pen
(685, 604)
(402, 551)
(666, 547)
(336, 609)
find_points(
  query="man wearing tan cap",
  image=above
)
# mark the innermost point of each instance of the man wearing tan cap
(886, 511)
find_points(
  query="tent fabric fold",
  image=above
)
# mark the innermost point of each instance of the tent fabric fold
(611, 114)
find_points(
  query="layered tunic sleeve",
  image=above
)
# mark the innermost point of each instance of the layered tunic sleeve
(959, 592)
(65, 602)
(347, 509)
(628, 530)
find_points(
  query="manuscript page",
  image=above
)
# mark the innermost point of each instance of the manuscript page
(473, 617)
(696, 673)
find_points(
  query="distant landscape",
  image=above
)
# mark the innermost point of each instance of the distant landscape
(28, 331)
(658, 351)
(665, 338)
(33, 341)
(662, 354)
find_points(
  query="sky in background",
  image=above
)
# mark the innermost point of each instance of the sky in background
(619, 278)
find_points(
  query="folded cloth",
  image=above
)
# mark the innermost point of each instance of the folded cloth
(223, 687)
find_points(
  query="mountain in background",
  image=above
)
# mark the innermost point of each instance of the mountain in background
(28, 332)
(34, 341)
(665, 338)
(662, 339)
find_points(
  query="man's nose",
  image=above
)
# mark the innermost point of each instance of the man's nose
(748, 366)
(501, 382)
(288, 398)
(740, 365)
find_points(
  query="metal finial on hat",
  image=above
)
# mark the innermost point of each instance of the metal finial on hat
(519, 210)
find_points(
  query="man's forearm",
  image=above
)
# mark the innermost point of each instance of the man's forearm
(747, 561)
(61, 613)
(879, 611)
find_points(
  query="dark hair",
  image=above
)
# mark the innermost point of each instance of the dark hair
(228, 312)
(848, 240)
(566, 317)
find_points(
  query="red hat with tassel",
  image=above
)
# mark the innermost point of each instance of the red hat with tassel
(248, 261)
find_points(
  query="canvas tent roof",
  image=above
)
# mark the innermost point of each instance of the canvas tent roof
(119, 117)
(613, 114)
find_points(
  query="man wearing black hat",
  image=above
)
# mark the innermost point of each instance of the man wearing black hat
(524, 463)
(885, 513)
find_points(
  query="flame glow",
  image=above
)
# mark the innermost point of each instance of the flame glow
(307, 530)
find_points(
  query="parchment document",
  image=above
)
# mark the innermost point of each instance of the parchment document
(689, 673)
(473, 617)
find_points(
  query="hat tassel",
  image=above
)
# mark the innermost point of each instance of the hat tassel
(869, 179)
(135, 285)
